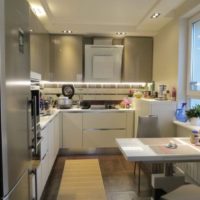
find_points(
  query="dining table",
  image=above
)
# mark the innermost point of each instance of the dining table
(168, 151)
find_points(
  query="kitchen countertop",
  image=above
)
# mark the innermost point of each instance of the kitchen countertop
(44, 120)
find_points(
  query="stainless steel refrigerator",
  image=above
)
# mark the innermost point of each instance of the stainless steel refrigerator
(15, 153)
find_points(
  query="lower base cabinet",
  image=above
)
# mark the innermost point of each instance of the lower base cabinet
(72, 130)
(102, 138)
(45, 170)
(96, 129)
(51, 138)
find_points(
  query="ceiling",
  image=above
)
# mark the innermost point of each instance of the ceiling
(106, 17)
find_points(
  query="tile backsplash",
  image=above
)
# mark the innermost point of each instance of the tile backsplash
(99, 92)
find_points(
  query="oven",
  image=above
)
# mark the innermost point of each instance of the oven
(35, 119)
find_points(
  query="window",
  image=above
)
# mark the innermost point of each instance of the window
(193, 91)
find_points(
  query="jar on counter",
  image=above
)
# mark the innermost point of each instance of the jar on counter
(194, 138)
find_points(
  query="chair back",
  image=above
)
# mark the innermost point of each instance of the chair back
(148, 127)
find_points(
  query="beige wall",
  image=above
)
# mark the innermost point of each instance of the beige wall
(171, 50)
(165, 61)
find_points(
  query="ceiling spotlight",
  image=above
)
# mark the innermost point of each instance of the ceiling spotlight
(120, 33)
(67, 31)
(155, 15)
(38, 10)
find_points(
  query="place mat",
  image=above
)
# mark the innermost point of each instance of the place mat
(180, 150)
(81, 180)
(157, 141)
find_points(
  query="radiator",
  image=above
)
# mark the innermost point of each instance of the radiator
(191, 170)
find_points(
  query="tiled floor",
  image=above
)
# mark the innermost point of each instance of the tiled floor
(117, 173)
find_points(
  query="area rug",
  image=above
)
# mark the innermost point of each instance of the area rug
(81, 180)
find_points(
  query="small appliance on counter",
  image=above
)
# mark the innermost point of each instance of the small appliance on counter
(65, 101)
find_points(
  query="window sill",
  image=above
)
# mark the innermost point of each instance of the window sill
(186, 125)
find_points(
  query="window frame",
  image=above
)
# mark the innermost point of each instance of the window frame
(191, 94)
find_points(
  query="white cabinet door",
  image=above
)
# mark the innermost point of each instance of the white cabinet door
(102, 138)
(51, 143)
(98, 120)
(56, 135)
(45, 169)
(39, 182)
(44, 142)
(72, 130)
(101, 128)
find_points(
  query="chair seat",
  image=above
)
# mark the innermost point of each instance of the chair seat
(184, 192)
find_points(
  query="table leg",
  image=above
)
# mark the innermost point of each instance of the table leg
(139, 173)
(168, 169)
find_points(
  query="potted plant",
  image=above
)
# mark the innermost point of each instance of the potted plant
(193, 115)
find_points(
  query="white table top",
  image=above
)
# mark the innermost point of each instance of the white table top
(155, 150)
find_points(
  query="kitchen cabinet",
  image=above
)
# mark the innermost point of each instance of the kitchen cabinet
(39, 47)
(72, 130)
(39, 54)
(164, 110)
(66, 58)
(96, 129)
(56, 135)
(100, 129)
(39, 181)
(45, 170)
(37, 177)
(51, 143)
(138, 59)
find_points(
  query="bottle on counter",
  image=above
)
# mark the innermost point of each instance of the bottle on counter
(173, 94)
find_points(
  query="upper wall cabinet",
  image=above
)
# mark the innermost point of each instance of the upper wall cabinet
(66, 58)
(39, 54)
(138, 59)
(39, 47)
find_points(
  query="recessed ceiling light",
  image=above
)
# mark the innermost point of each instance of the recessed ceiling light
(155, 15)
(30, 30)
(67, 31)
(120, 33)
(38, 10)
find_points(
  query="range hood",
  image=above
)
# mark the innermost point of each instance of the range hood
(103, 62)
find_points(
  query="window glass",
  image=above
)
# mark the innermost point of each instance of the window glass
(195, 57)
(194, 102)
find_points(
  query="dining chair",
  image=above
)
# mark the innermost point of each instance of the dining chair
(147, 128)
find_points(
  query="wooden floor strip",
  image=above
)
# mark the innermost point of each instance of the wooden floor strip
(81, 180)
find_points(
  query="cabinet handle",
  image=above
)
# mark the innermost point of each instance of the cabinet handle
(104, 129)
(44, 156)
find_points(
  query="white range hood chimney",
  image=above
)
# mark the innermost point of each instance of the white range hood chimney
(103, 61)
